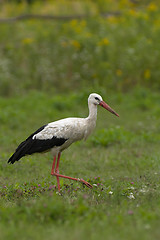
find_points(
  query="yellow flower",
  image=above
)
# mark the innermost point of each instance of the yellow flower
(123, 3)
(133, 12)
(76, 44)
(113, 19)
(83, 23)
(27, 41)
(152, 7)
(119, 72)
(138, 14)
(156, 24)
(147, 74)
(87, 34)
(73, 22)
(104, 42)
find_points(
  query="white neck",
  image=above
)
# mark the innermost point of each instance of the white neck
(91, 119)
(92, 112)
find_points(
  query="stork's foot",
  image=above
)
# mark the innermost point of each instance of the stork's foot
(86, 183)
(75, 179)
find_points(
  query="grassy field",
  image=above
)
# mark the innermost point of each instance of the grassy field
(47, 71)
(121, 159)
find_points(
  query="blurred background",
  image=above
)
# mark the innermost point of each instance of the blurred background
(53, 54)
(71, 46)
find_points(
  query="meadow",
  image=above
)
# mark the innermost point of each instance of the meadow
(48, 69)
(121, 160)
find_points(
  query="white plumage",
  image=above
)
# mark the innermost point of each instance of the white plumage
(59, 135)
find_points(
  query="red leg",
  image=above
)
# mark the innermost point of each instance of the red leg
(53, 165)
(57, 166)
(56, 173)
(75, 179)
(53, 170)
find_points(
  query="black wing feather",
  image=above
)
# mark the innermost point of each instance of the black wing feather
(30, 146)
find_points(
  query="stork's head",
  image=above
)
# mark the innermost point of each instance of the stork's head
(96, 99)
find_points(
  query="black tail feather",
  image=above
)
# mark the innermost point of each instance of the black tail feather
(21, 149)
(13, 158)
(19, 153)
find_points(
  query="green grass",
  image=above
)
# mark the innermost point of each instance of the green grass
(121, 157)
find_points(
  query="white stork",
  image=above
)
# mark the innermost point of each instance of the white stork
(59, 135)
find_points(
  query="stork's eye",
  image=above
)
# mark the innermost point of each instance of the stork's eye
(97, 98)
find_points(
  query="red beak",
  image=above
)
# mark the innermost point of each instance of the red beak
(106, 106)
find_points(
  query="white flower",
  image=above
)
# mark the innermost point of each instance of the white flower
(110, 192)
(58, 193)
(147, 226)
(131, 196)
(94, 184)
(143, 190)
